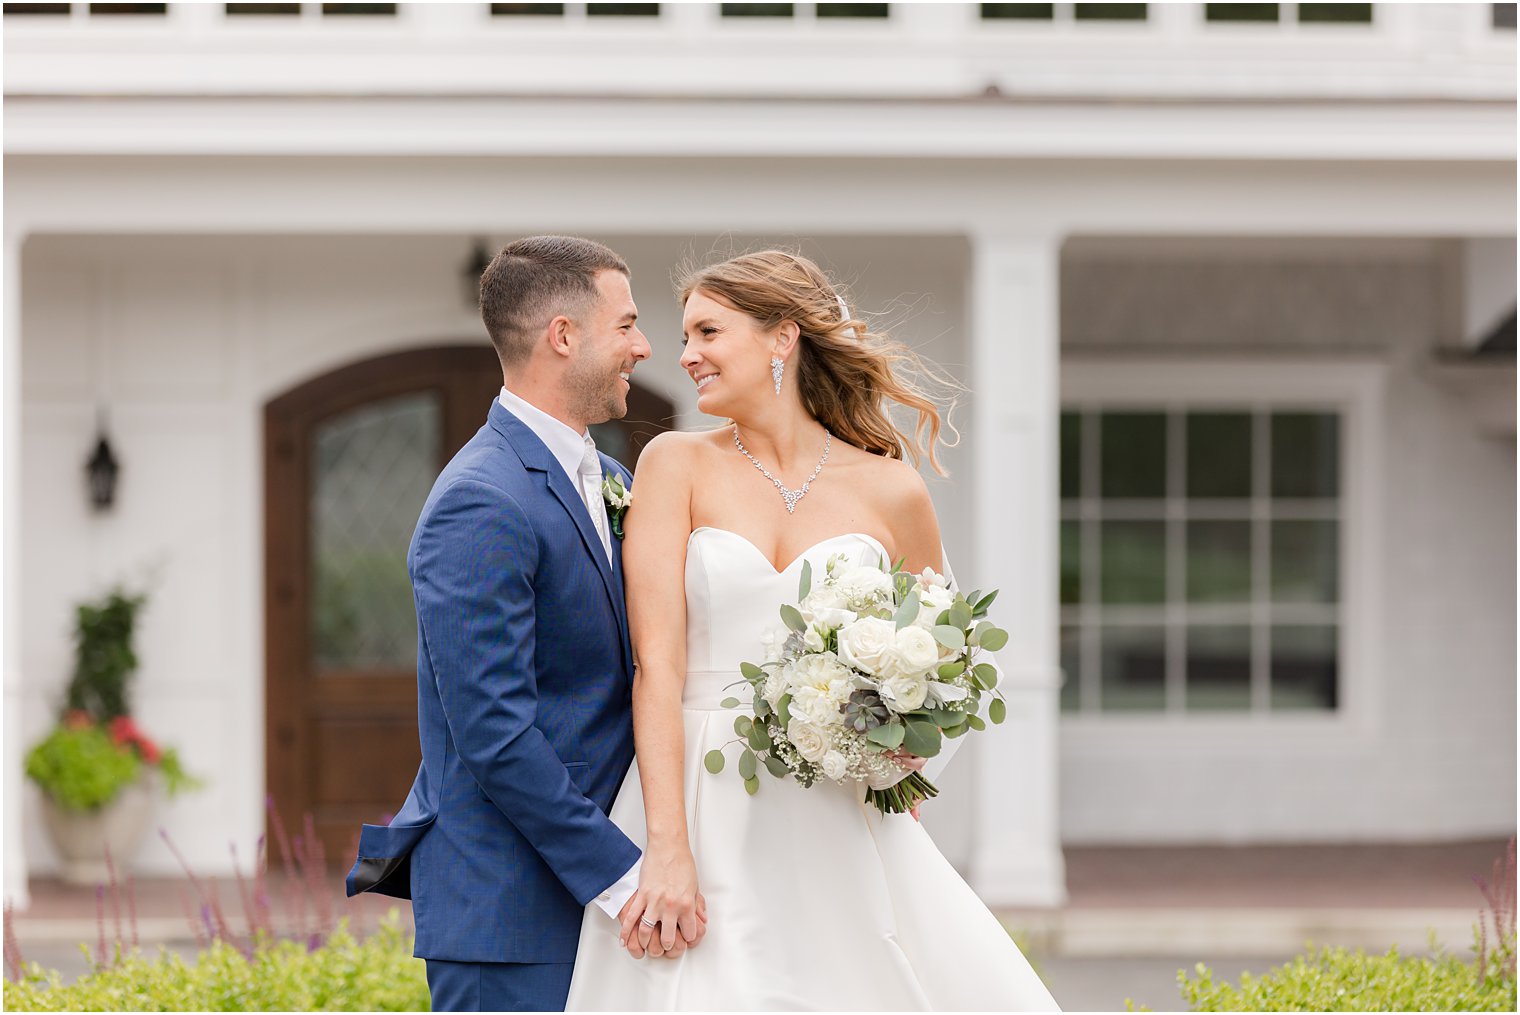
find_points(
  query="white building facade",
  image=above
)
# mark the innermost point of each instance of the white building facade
(1229, 297)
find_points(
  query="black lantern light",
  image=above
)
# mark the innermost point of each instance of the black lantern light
(102, 469)
(469, 277)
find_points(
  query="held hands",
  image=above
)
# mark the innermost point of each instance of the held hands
(910, 763)
(667, 915)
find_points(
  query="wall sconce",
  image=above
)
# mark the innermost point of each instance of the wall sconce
(469, 277)
(102, 469)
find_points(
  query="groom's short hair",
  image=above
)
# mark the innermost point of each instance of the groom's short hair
(533, 280)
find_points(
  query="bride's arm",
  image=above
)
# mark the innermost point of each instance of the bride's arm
(654, 557)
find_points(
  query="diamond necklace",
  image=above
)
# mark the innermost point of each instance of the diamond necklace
(790, 496)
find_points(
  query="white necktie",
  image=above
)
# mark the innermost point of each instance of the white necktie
(590, 475)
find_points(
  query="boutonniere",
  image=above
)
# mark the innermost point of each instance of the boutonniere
(617, 498)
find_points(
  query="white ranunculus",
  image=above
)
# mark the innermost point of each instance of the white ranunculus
(903, 692)
(931, 603)
(863, 586)
(834, 765)
(823, 597)
(913, 650)
(808, 739)
(863, 643)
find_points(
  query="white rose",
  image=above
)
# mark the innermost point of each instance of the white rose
(808, 739)
(932, 601)
(823, 597)
(914, 650)
(834, 765)
(903, 692)
(863, 586)
(863, 643)
(777, 681)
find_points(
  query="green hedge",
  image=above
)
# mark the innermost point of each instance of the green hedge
(376, 974)
(1333, 979)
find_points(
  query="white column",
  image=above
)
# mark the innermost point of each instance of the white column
(1015, 347)
(17, 892)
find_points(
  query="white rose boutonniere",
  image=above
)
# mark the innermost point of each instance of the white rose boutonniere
(618, 500)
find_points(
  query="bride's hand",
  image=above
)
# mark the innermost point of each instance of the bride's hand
(667, 905)
(911, 762)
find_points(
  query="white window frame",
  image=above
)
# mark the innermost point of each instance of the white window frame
(1352, 387)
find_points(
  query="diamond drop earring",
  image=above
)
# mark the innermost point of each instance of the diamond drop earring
(778, 367)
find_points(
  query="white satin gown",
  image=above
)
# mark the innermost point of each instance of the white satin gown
(815, 901)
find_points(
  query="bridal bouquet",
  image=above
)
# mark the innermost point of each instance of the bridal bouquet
(875, 664)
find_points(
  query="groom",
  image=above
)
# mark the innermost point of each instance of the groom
(523, 660)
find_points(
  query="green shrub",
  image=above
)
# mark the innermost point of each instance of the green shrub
(83, 768)
(1333, 979)
(344, 974)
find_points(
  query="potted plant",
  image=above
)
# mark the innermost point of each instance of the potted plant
(96, 768)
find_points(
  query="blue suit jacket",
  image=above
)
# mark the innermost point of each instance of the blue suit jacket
(524, 677)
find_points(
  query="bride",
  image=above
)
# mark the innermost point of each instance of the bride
(809, 898)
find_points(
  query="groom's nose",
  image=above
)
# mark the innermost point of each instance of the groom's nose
(641, 348)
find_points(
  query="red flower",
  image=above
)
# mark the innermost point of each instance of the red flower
(149, 750)
(124, 730)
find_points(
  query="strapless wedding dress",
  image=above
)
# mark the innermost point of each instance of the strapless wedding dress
(815, 901)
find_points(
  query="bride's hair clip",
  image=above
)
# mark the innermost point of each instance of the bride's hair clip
(844, 314)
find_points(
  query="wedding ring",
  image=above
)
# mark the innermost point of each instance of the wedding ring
(648, 922)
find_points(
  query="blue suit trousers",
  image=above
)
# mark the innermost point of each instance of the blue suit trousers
(499, 986)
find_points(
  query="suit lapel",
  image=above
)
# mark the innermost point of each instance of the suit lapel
(536, 457)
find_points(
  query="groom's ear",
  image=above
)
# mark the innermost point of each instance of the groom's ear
(558, 335)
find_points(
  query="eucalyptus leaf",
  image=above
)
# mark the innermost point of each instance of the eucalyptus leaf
(984, 602)
(759, 738)
(943, 618)
(888, 735)
(951, 670)
(784, 710)
(960, 616)
(975, 722)
(742, 724)
(951, 732)
(946, 718)
(713, 761)
(792, 619)
(751, 786)
(984, 675)
(775, 766)
(908, 612)
(747, 765)
(762, 708)
(729, 702)
(751, 671)
(921, 738)
(806, 584)
(997, 711)
(989, 637)
(950, 637)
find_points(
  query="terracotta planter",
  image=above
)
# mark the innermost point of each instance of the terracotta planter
(82, 837)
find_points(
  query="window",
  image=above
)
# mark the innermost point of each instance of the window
(1306, 14)
(516, 10)
(36, 9)
(757, 10)
(853, 10)
(1062, 12)
(1240, 12)
(1329, 14)
(129, 9)
(623, 10)
(237, 10)
(1200, 558)
(1503, 16)
(359, 10)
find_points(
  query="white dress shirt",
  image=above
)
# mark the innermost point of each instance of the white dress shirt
(568, 448)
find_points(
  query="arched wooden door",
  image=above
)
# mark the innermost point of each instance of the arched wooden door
(349, 460)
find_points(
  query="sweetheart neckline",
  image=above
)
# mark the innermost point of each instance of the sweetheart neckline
(795, 560)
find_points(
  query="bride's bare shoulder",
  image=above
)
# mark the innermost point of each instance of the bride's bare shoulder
(676, 450)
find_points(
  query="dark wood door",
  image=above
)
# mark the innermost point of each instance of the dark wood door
(349, 459)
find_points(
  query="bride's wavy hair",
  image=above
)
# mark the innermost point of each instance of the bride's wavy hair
(847, 375)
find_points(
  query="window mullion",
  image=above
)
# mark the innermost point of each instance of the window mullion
(1090, 611)
(1261, 550)
(1176, 563)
